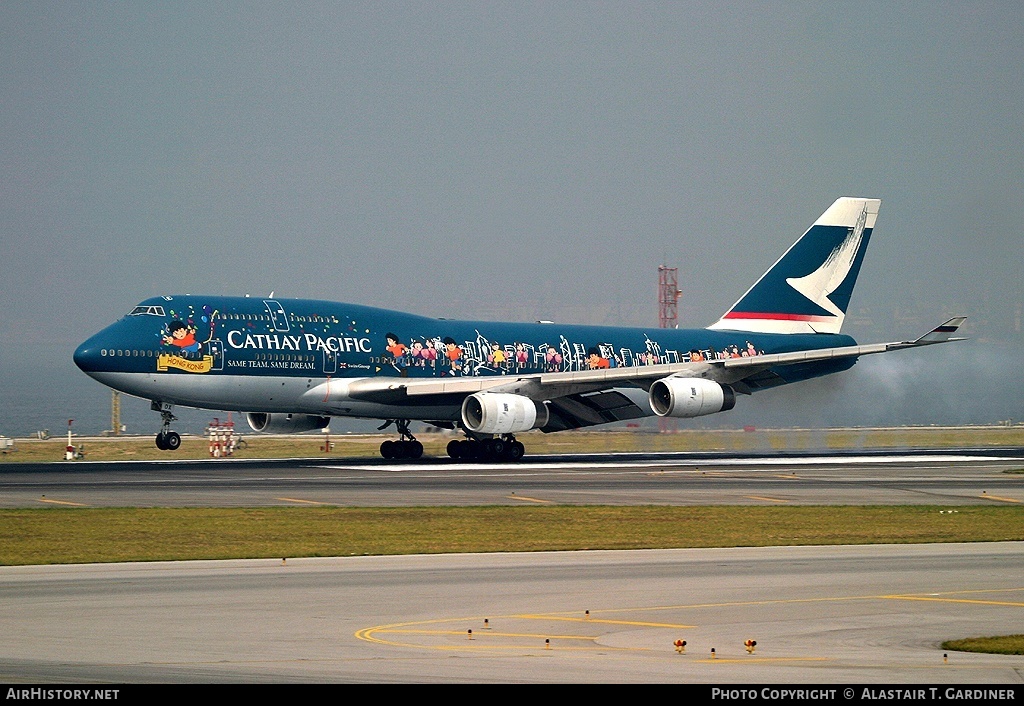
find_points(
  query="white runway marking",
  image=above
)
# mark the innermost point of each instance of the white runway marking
(673, 462)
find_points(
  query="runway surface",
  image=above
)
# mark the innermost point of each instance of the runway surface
(835, 615)
(855, 614)
(939, 477)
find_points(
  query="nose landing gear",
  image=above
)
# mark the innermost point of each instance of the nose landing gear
(166, 440)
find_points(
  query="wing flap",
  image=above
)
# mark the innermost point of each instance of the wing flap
(576, 411)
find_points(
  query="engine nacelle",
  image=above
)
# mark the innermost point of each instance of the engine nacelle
(690, 397)
(285, 423)
(501, 413)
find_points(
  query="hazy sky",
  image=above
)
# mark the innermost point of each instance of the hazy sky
(504, 160)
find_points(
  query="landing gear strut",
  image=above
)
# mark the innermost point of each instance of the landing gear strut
(406, 447)
(497, 448)
(166, 440)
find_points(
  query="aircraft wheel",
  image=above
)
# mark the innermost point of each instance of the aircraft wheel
(161, 443)
(415, 450)
(515, 451)
(497, 449)
(172, 441)
(454, 449)
(472, 449)
(387, 449)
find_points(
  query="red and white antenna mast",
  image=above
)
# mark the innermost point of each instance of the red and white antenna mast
(668, 297)
(668, 317)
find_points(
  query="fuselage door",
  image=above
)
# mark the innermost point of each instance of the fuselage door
(216, 351)
(277, 316)
(330, 362)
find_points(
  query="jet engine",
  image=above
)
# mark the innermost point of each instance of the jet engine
(500, 413)
(690, 397)
(285, 423)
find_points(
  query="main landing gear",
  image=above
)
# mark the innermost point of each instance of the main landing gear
(406, 447)
(166, 440)
(497, 448)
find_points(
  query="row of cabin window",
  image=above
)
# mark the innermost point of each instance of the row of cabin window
(291, 317)
(286, 357)
(159, 311)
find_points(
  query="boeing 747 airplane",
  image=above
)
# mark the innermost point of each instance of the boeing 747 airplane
(291, 365)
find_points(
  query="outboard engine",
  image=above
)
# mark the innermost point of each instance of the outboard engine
(690, 397)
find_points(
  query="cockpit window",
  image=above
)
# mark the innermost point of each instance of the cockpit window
(147, 311)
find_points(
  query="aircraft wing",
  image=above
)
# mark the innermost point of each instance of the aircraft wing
(746, 374)
(587, 397)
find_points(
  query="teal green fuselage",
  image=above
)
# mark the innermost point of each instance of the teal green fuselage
(249, 337)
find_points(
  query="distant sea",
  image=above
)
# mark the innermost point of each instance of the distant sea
(41, 388)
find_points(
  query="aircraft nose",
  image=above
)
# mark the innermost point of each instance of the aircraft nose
(87, 356)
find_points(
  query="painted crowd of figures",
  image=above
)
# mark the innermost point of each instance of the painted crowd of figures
(482, 356)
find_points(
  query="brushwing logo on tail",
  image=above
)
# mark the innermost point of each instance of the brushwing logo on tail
(808, 289)
(821, 283)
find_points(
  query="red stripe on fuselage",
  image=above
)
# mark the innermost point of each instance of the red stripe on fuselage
(776, 317)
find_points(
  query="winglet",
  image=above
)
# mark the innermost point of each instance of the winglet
(943, 332)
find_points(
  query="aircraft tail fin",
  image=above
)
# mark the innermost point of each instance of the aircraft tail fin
(808, 289)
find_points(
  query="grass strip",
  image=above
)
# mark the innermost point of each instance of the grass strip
(87, 535)
(1002, 645)
(345, 446)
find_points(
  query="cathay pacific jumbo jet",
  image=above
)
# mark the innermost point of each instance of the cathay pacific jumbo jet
(292, 364)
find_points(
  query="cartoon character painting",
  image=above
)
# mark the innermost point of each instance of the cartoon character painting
(429, 354)
(397, 349)
(454, 355)
(418, 354)
(522, 357)
(596, 361)
(497, 356)
(181, 336)
(553, 359)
